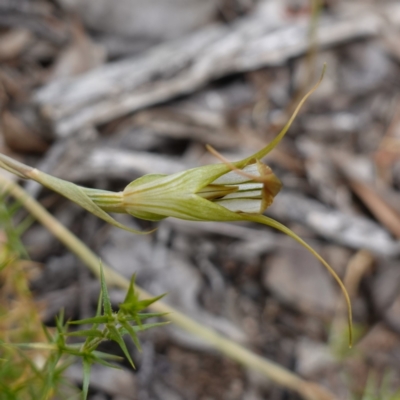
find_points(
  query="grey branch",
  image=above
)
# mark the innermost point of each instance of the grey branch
(181, 67)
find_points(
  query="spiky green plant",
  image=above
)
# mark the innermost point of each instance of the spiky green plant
(33, 360)
(110, 325)
(23, 375)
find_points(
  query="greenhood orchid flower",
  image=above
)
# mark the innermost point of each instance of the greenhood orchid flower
(238, 191)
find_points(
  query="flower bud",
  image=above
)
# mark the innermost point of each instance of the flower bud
(210, 193)
(239, 191)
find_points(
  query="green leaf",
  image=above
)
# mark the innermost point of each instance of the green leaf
(86, 377)
(142, 304)
(104, 292)
(132, 305)
(102, 361)
(47, 333)
(130, 294)
(98, 309)
(100, 355)
(50, 368)
(144, 327)
(132, 333)
(34, 346)
(116, 336)
(13, 238)
(61, 330)
(77, 195)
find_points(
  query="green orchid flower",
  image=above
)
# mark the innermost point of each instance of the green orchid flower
(238, 191)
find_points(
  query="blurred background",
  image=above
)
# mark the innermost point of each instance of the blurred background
(101, 92)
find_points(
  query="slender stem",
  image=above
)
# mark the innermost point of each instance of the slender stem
(276, 373)
(262, 219)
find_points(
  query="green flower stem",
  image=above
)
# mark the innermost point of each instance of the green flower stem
(276, 373)
(106, 200)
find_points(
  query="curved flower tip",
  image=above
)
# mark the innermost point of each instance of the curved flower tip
(270, 146)
(262, 219)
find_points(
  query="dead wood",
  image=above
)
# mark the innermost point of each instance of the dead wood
(180, 67)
